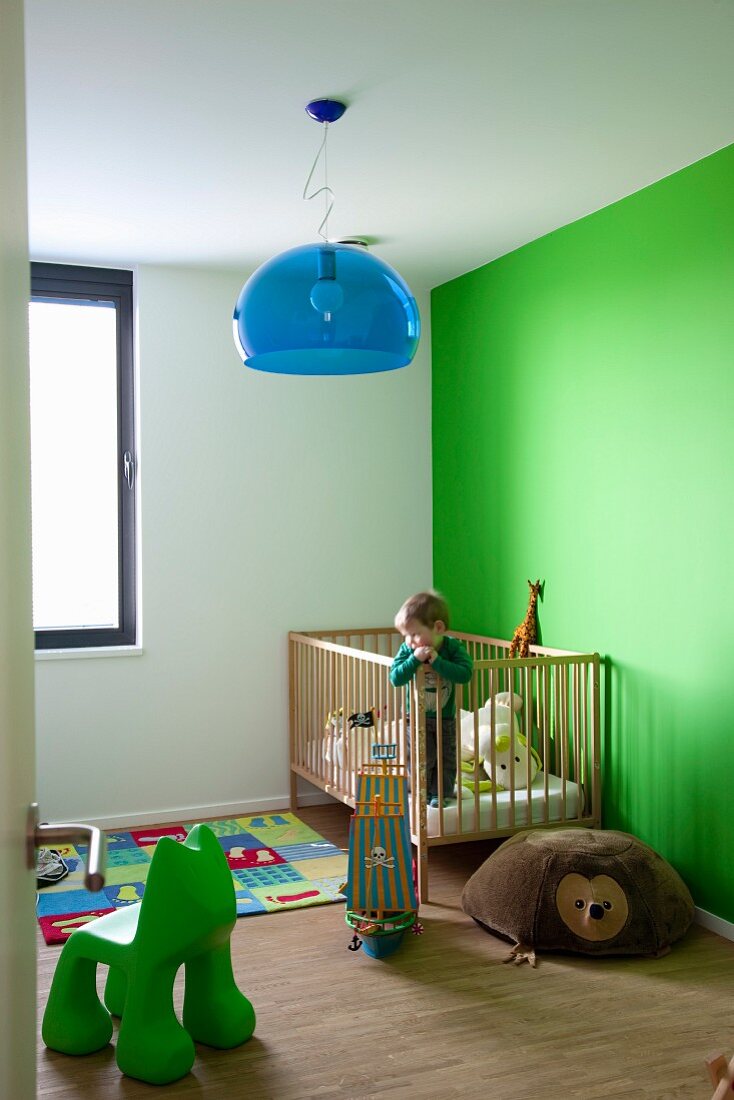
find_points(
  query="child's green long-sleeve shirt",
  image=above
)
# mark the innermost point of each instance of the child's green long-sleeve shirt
(453, 664)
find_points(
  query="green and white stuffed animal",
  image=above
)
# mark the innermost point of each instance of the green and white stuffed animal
(505, 706)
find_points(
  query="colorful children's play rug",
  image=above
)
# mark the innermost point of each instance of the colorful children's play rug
(277, 862)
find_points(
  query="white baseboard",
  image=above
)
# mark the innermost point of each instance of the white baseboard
(716, 924)
(225, 810)
(318, 798)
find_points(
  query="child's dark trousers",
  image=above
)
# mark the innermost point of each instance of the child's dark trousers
(448, 755)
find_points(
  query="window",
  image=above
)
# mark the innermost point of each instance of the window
(82, 456)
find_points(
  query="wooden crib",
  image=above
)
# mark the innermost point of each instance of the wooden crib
(336, 674)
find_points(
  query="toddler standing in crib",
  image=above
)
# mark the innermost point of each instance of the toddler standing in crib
(423, 620)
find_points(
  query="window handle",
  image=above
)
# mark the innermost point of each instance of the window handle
(38, 835)
(128, 469)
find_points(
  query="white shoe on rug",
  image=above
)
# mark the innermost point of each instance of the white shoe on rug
(50, 867)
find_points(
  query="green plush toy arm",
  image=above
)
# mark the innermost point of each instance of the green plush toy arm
(469, 773)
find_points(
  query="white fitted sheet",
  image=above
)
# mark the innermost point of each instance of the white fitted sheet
(557, 809)
(453, 826)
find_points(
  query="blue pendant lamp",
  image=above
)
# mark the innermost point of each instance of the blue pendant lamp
(326, 308)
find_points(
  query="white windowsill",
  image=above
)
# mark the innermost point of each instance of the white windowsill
(92, 651)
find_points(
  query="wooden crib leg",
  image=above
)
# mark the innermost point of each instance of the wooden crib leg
(422, 856)
(294, 791)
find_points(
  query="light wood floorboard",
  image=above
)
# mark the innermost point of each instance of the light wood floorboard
(443, 1017)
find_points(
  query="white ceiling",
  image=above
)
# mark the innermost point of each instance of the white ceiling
(174, 131)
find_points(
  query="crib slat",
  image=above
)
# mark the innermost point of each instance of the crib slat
(292, 744)
(596, 742)
(566, 727)
(343, 779)
(418, 712)
(528, 727)
(545, 695)
(576, 686)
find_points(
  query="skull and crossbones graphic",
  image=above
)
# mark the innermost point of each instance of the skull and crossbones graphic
(378, 857)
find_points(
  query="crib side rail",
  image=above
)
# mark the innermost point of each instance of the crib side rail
(558, 718)
(386, 640)
(329, 682)
(377, 639)
(483, 647)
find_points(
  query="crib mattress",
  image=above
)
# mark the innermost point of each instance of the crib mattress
(462, 819)
(455, 825)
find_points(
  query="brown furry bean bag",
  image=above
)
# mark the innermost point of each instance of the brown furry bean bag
(593, 891)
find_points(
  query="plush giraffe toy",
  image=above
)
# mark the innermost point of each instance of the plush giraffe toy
(526, 631)
(722, 1076)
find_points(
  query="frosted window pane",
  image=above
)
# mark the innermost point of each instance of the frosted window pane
(73, 356)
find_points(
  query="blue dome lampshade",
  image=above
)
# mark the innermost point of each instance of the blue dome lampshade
(326, 308)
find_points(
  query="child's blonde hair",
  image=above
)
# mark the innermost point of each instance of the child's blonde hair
(425, 607)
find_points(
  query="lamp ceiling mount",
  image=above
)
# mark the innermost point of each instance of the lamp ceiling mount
(326, 110)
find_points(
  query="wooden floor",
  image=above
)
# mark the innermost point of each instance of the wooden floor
(443, 1017)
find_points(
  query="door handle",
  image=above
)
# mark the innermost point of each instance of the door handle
(42, 836)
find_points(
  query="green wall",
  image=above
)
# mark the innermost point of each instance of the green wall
(583, 394)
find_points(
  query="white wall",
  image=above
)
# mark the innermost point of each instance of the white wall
(269, 503)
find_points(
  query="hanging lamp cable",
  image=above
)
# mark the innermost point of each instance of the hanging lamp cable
(325, 190)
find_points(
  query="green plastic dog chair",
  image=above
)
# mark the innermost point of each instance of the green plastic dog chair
(186, 916)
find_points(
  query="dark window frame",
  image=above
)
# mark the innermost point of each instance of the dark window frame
(63, 281)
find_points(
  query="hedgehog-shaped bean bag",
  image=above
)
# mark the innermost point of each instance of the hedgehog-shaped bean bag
(593, 891)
